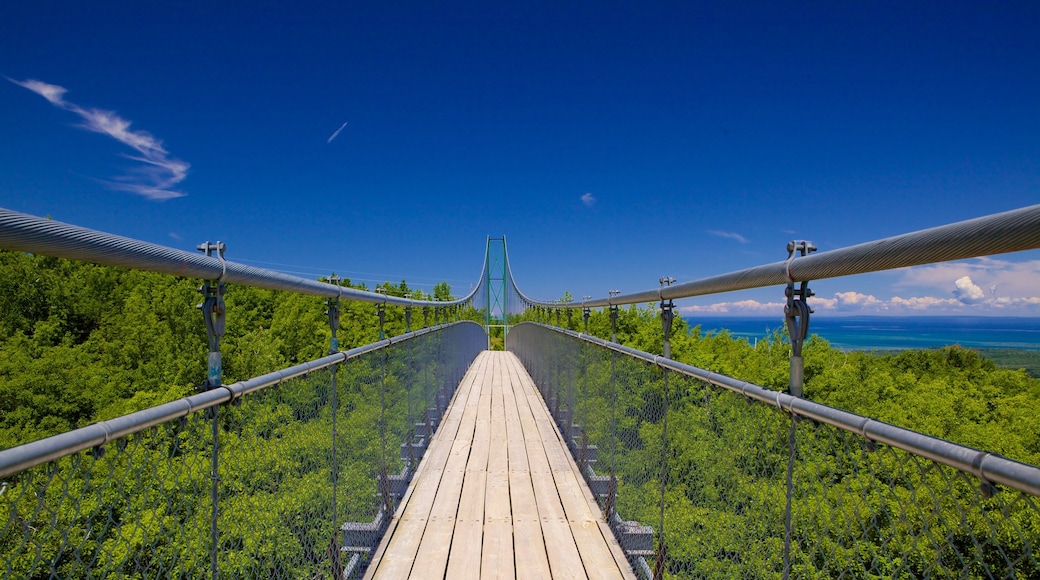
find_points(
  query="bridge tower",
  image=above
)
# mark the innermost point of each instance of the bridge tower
(497, 284)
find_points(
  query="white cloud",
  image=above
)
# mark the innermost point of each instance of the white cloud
(588, 199)
(853, 300)
(160, 173)
(728, 235)
(967, 291)
(918, 303)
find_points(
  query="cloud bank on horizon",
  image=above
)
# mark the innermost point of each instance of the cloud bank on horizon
(1012, 292)
(160, 172)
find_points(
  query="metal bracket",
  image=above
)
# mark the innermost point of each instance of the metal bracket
(333, 312)
(796, 314)
(613, 317)
(408, 315)
(381, 312)
(213, 313)
(586, 312)
(667, 316)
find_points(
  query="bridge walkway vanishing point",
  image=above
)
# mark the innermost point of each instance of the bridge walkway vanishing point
(497, 494)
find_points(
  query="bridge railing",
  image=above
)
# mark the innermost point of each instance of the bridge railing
(702, 475)
(257, 479)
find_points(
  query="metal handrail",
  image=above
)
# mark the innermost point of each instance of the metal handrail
(26, 233)
(18, 459)
(985, 465)
(1000, 233)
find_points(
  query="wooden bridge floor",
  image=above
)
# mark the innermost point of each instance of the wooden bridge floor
(497, 494)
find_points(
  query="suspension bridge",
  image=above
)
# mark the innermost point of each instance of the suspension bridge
(427, 455)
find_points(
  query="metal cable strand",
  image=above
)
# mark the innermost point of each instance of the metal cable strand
(26, 233)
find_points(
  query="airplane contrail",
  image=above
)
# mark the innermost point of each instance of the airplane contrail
(336, 134)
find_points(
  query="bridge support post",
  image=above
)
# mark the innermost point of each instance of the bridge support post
(213, 313)
(667, 316)
(796, 315)
(586, 312)
(613, 317)
(408, 316)
(332, 310)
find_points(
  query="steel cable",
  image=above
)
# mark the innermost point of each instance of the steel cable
(26, 233)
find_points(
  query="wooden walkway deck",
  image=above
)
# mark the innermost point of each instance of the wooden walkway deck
(497, 494)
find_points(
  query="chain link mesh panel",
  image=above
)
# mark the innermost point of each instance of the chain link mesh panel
(296, 461)
(709, 474)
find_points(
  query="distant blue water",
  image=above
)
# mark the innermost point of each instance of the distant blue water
(882, 332)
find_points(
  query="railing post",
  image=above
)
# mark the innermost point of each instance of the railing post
(332, 311)
(213, 313)
(381, 312)
(613, 317)
(586, 312)
(408, 315)
(667, 315)
(796, 315)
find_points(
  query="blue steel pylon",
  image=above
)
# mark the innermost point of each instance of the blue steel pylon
(497, 271)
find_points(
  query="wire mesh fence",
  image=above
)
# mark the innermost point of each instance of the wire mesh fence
(293, 462)
(699, 481)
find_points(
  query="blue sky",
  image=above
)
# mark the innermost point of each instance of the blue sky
(611, 143)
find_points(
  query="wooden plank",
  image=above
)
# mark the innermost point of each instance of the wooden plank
(496, 560)
(466, 542)
(496, 500)
(528, 542)
(601, 555)
(596, 558)
(564, 559)
(514, 430)
(396, 554)
(431, 558)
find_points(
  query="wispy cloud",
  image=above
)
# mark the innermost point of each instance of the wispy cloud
(337, 132)
(728, 235)
(588, 199)
(160, 173)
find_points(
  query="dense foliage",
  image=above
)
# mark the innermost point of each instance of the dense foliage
(710, 468)
(81, 343)
(953, 393)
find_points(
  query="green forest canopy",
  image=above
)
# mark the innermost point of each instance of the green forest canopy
(81, 343)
